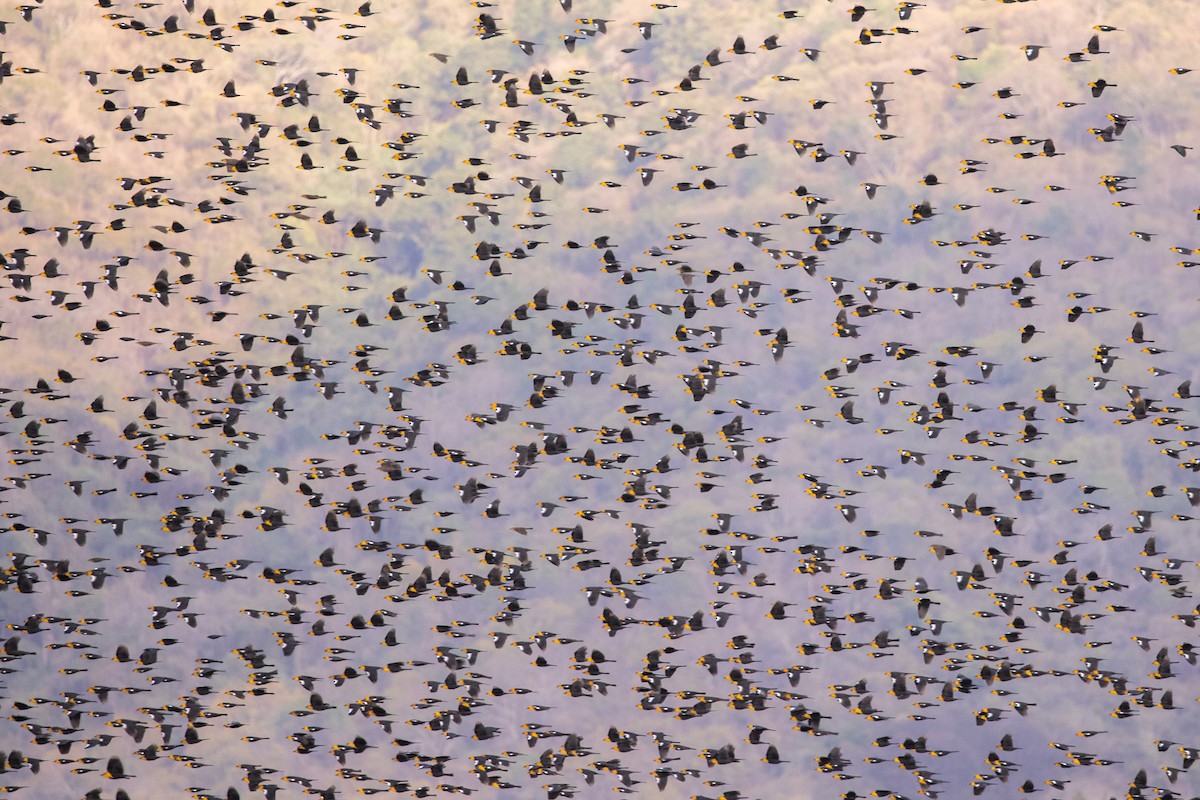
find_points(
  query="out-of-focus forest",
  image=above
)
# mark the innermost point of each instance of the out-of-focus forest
(496, 398)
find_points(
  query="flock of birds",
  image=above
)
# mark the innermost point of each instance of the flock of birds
(629, 403)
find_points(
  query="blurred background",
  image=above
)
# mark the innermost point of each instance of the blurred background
(259, 264)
